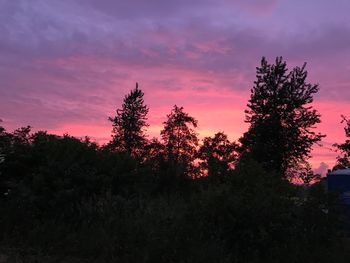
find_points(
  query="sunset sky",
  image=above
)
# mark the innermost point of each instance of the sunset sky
(66, 65)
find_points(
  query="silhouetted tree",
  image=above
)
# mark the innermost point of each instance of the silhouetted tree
(129, 124)
(180, 141)
(281, 118)
(306, 175)
(155, 154)
(60, 189)
(16, 161)
(343, 161)
(217, 154)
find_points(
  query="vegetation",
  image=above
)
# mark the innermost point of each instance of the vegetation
(180, 141)
(343, 161)
(281, 119)
(64, 199)
(129, 124)
(217, 155)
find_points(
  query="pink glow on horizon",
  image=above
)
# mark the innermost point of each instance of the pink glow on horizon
(66, 66)
(206, 96)
(213, 117)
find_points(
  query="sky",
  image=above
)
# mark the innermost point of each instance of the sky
(66, 65)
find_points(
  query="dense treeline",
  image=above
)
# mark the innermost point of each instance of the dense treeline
(135, 199)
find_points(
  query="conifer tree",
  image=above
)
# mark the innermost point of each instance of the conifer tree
(281, 118)
(129, 124)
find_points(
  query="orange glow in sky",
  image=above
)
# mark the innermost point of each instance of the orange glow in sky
(65, 66)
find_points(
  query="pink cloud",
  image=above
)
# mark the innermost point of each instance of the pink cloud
(66, 69)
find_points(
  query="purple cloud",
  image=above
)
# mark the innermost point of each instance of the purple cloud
(73, 61)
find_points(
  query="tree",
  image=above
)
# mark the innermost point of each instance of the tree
(129, 124)
(281, 118)
(180, 141)
(155, 155)
(306, 175)
(16, 160)
(217, 154)
(343, 161)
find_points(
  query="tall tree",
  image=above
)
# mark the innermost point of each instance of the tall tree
(281, 118)
(217, 154)
(180, 141)
(343, 161)
(129, 124)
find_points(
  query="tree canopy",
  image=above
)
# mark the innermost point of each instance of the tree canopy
(180, 140)
(281, 117)
(217, 154)
(69, 199)
(129, 124)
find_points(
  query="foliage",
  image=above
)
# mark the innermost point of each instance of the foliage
(155, 155)
(249, 216)
(180, 140)
(129, 124)
(306, 175)
(217, 154)
(281, 117)
(65, 199)
(343, 161)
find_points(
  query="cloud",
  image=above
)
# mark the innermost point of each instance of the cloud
(72, 62)
(322, 169)
(160, 9)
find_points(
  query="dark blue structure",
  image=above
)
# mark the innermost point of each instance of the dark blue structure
(340, 181)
